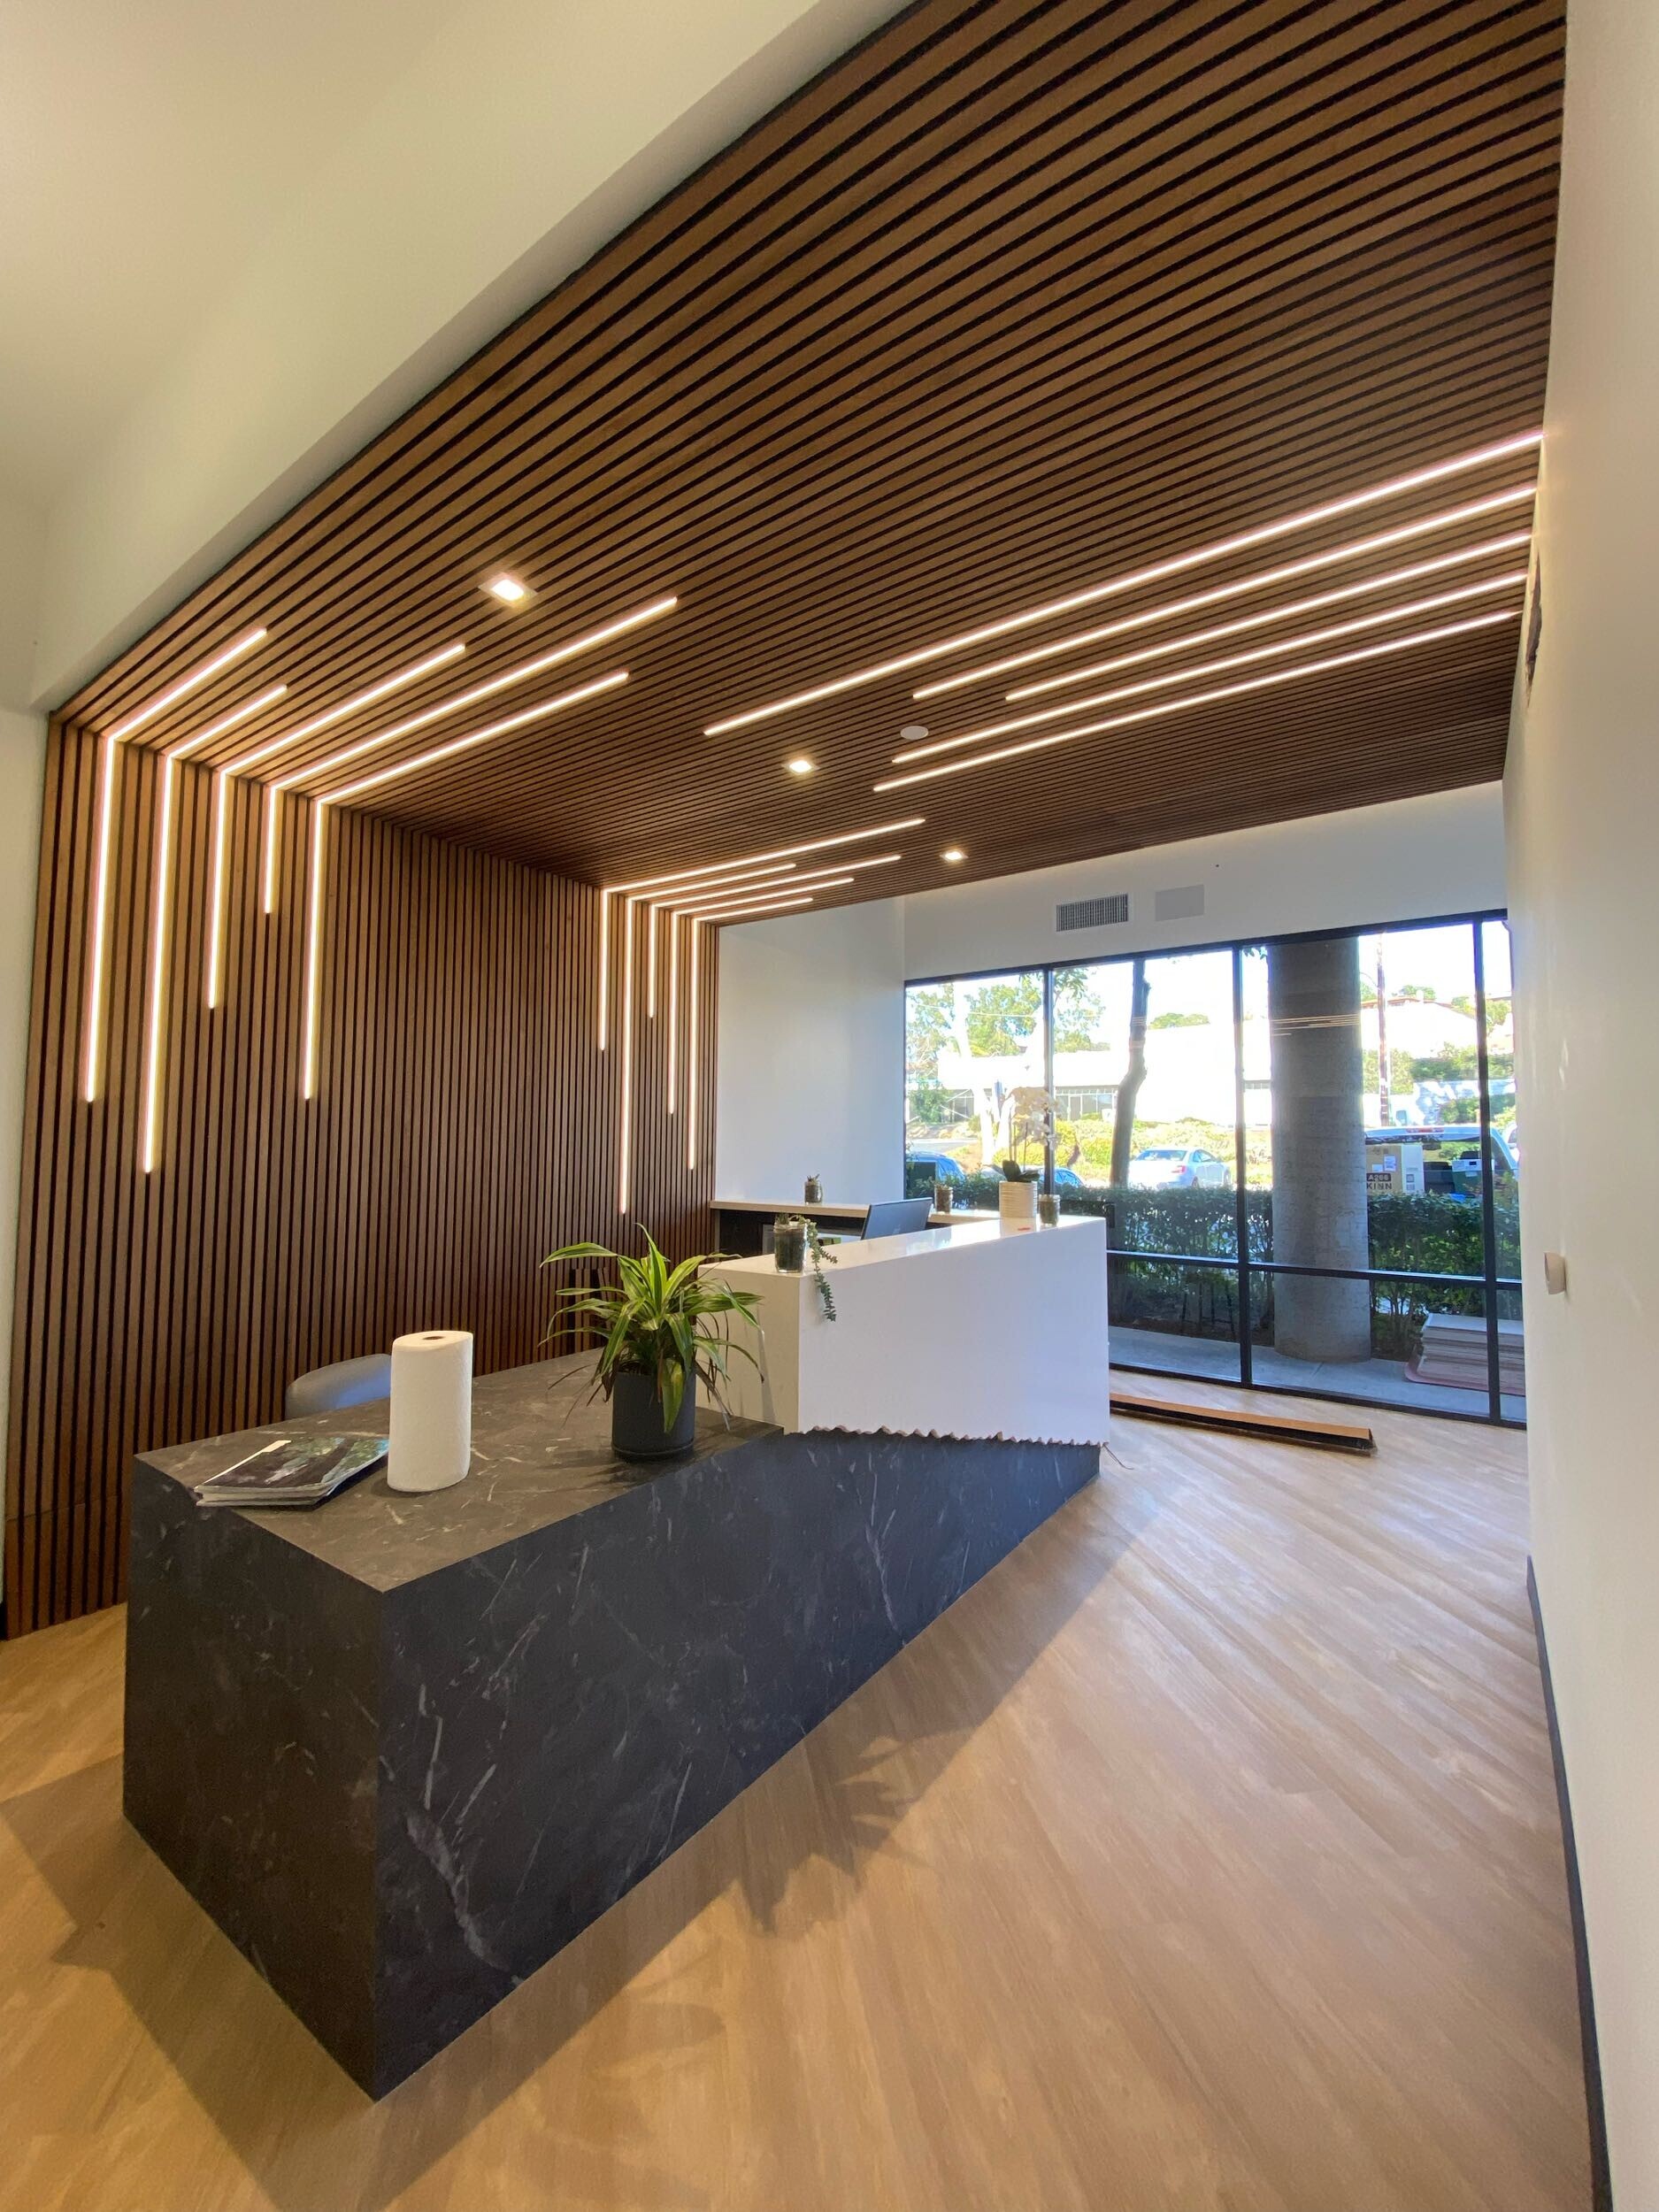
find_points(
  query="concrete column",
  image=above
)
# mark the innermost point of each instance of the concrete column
(1318, 1147)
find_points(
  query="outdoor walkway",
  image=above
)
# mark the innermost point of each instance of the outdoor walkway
(1376, 1381)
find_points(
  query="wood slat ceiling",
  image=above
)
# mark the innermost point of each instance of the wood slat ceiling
(1015, 298)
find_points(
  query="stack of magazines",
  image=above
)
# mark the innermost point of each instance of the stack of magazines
(294, 1470)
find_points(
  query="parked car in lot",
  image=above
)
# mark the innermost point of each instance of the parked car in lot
(1179, 1167)
(934, 1167)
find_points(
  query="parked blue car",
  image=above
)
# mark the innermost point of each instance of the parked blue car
(934, 1167)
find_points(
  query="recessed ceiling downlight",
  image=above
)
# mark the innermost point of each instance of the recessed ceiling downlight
(913, 732)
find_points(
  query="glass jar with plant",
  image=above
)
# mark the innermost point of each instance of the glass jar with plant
(660, 1328)
(796, 1238)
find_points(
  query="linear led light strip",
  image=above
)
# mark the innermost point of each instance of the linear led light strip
(1216, 668)
(718, 868)
(1263, 534)
(675, 917)
(161, 911)
(1489, 548)
(689, 876)
(691, 1052)
(384, 689)
(186, 685)
(739, 877)
(741, 887)
(98, 924)
(240, 766)
(444, 708)
(320, 806)
(1199, 699)
(751, 913)
(625, 1117)
(1352, 549)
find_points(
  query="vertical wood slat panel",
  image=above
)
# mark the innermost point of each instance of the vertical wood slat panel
(464, 1126)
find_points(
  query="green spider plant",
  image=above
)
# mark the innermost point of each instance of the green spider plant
(657, 1320)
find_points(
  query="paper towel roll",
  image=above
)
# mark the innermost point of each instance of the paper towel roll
(431, 1443)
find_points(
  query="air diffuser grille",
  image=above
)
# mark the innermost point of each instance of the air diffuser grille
(1092, 913)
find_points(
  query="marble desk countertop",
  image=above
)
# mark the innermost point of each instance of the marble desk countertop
(540, 1455)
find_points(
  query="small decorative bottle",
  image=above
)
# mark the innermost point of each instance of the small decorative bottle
(814, 1191)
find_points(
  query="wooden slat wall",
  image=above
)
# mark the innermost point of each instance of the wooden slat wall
(1018, 296)
(465, 1125)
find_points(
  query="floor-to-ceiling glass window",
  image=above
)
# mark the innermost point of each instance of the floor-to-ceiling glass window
(1374, 1280)
(1157, 1157)
(1305, 1150)
(975, 1081)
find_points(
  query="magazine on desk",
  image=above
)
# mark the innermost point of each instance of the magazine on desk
(294, 1470)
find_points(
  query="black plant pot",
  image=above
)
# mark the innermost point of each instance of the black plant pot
(637, 1429)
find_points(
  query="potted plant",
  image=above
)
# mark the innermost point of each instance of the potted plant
(659, 1335)
(788, 1243)
(1017, 1199)
(1031, 1128)
(795, 1238)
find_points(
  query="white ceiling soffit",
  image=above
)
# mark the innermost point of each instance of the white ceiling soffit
(239, 241)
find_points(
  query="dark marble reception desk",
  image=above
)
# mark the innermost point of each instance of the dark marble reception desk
(404, 1748)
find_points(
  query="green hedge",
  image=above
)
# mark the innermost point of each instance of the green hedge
(1429, 1235)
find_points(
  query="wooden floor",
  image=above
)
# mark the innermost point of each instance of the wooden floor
(1205, 1855)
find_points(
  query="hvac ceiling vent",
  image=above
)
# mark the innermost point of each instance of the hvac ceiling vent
(1092, 913)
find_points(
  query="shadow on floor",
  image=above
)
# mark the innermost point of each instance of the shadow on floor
(795, 1845)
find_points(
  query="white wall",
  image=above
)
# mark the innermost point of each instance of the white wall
(501, 154)
(22, 752)
(811, 1056)
(21, 530)
(1403, 862)
(22, 756)
(1583, 809)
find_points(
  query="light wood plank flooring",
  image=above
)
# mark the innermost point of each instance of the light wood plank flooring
(1204, 1856)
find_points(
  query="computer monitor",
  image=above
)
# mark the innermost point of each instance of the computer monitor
(897, 1218)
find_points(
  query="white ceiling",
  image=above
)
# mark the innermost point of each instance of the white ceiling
(144, 149)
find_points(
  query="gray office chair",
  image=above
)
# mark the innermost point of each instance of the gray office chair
(348, 1382)
(897, 1218)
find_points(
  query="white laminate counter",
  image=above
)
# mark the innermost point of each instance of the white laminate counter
(970, 1331)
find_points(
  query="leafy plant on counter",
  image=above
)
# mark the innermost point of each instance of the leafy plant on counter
(655, 1320)
(819, 1252)
(1012, 1172)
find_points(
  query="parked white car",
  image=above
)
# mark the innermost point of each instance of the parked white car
(1175, 1167)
